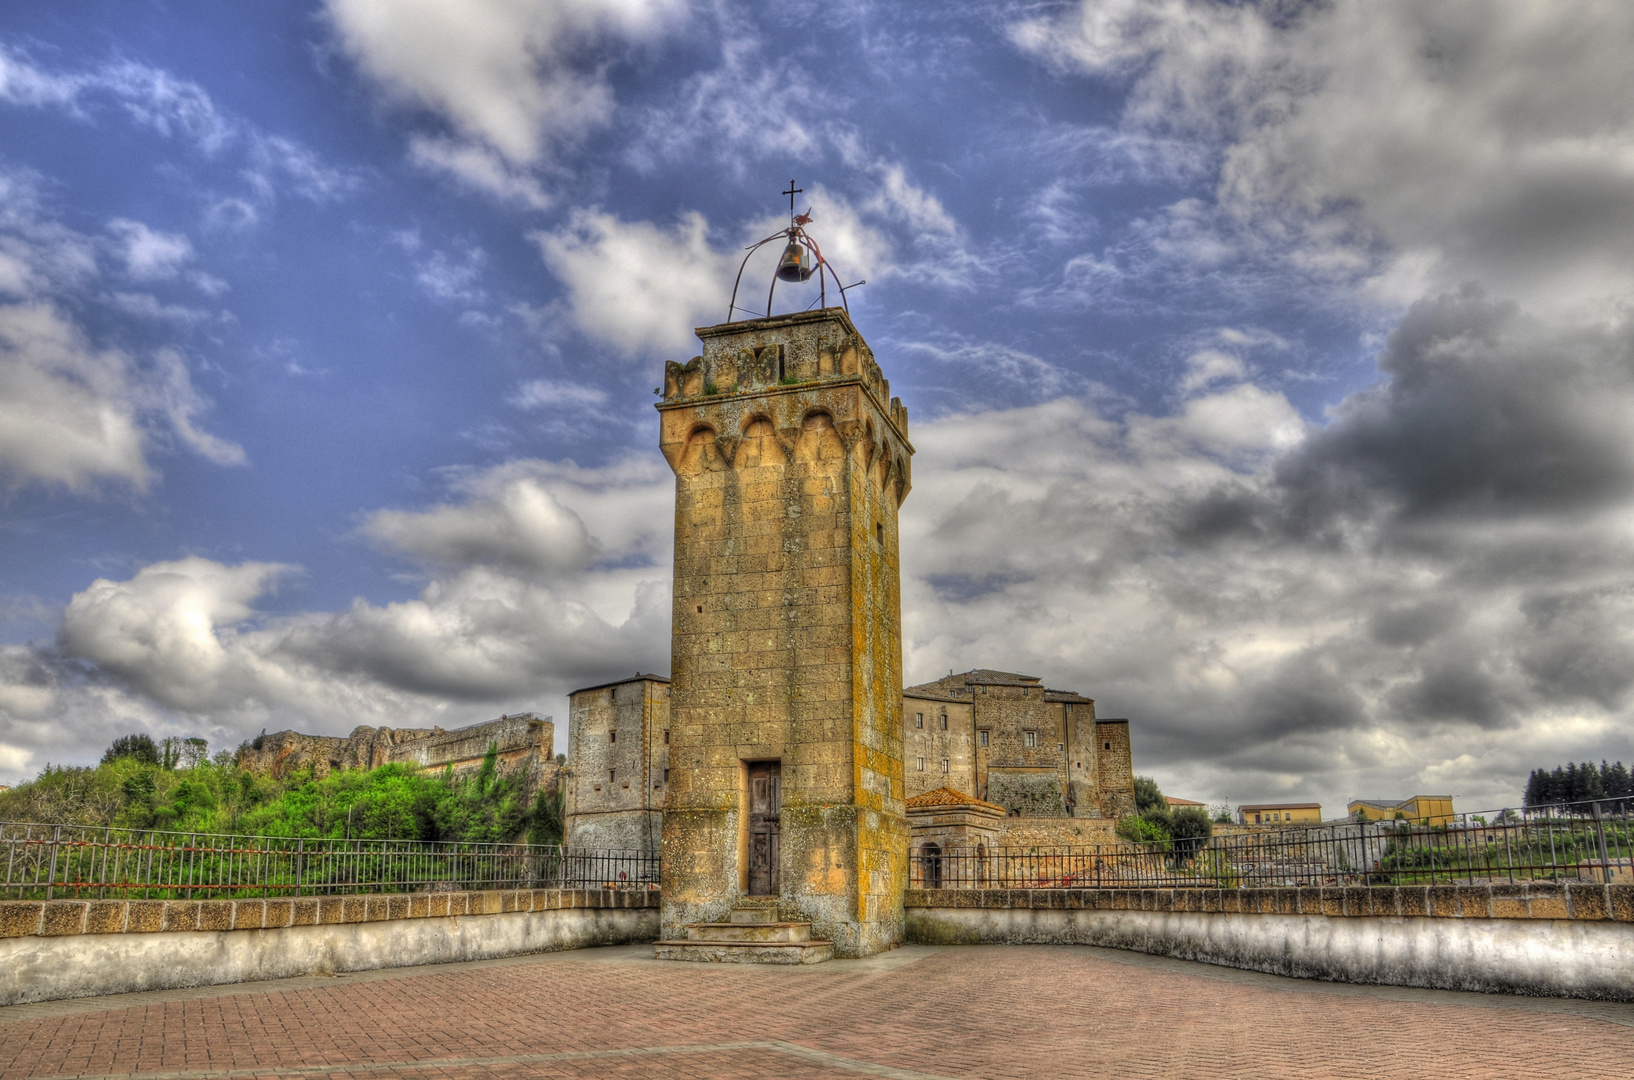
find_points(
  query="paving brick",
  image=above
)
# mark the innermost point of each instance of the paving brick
(1045, 1012)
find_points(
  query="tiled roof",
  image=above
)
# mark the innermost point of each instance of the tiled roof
(931, 692)
(945, 796)
(637, 677)
(1281, 806)
(1072, 696)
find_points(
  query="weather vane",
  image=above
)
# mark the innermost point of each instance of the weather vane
(800, 260)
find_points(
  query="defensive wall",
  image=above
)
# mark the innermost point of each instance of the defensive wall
(81, 948)
(1573, 939)
(523, 744)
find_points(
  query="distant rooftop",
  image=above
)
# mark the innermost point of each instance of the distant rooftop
(956, 686)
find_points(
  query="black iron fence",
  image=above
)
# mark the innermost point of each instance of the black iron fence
(1588, 841)
(44, 862)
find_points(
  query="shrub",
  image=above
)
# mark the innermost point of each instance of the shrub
(1138, 829)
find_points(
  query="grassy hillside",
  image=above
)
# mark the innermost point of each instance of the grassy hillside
(154, 791)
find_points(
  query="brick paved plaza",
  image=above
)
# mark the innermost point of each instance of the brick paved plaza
(914, 1014)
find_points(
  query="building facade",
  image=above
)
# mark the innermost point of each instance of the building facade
(790, 459)
(1007, 739)
(1418, 809)
(618, 772)
(1293, 813)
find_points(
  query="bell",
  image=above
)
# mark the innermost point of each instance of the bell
(795, 265)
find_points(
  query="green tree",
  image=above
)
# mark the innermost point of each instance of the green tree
(139, 747)
(1147, 795)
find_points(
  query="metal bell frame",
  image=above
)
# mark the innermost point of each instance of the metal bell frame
(795, 234)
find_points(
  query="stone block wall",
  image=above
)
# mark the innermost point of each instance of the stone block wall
(786, 636)
(618, 736)
(78, 948)
(1115, 770)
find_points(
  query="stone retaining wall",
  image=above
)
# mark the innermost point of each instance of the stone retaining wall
(79, 948)
(1565, 940)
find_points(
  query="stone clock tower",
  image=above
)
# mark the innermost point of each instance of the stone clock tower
(791, 459)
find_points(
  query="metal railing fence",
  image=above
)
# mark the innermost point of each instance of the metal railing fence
(1586, 841)
(45, 862)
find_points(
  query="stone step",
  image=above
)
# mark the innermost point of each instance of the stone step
(745, 952)
(749, 932)
(754, 909)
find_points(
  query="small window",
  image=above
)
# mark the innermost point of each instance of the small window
(982, 737)
(1077, 764)
(1029, 738)
(612, 736)
(919, 719)
(598, 787)
(1060, 746)
(666, 776)
(1069, 708)
(921, 764)
(984, 689)
(611, 775)
(879, 531)
(944, 764)
(1106, 746)
(944, 721)
(666, 736)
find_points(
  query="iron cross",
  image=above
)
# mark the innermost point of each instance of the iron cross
(791, 193)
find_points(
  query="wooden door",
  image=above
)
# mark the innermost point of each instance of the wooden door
(765, 827)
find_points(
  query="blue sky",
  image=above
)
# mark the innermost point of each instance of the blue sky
(1267, 362)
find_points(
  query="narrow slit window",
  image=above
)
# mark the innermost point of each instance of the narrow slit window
(919, 719)
(666, 736)
(612, 736)
(944, 721)
(879, 531)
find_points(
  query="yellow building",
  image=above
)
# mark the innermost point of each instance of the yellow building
(1419, 809)
(1286, 813)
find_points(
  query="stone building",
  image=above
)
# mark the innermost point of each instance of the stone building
(522, 741)
(618, 764)
(1009, 740)
(790, 459)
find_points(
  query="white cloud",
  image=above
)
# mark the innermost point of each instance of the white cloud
(1403, 146)
(177, 108)
(160, 629)
(150, 255)
(453, 279)
(546, 576)
(635, 285)
(480, 168)
(1430, 590)
(512, 78)
(68, 414)
(73, 414)
(549, 394)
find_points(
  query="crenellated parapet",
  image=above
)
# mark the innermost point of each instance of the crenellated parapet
(796, 375)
